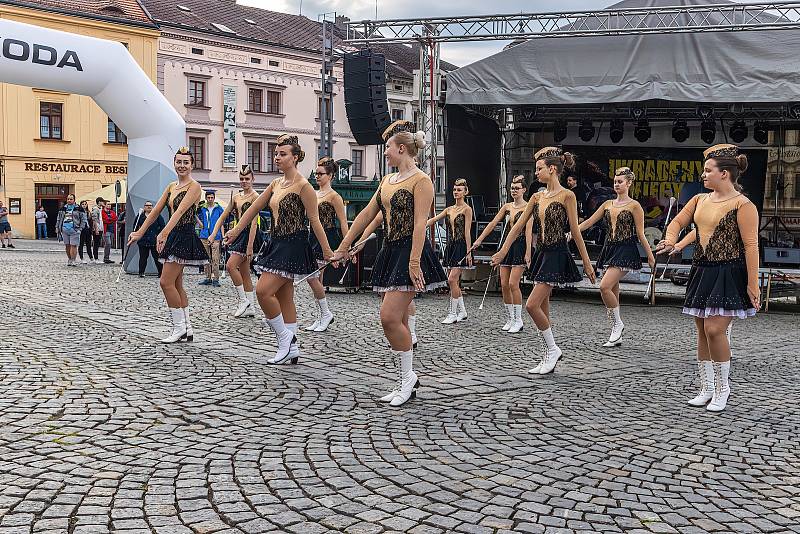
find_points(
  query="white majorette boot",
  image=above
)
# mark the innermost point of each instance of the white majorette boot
(461, 310)
(313, 326)
(722, 390)
(551, 355)
(617, 327)
(728, 335)
(284, 338)
(706, 371)
(517, 325)
(412, 326)
(178, 326)
(243, 302)
(326, 317)
(189, 330)
(542, 351)
(294, 349)
(399, 378)
(510, 320)
(251, 309)
(453, 313)
(408, 379)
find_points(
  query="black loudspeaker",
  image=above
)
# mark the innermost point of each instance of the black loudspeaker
(365, 96)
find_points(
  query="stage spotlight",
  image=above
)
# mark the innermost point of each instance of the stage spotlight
(680, 130)
(559, 130)
(616, 131)
(642, 131)
(738, 131)
(705, 111)
(760, 132)
(586, 130)
(708, 131)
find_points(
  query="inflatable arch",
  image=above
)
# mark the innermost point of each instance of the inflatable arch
(104, 70)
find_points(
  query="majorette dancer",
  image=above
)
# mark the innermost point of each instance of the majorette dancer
(624, 221)
(723, 281)
(288, 255)
(245, 246)
(458, 253)
(177, 244)
(553, 265)
(406, 264)
(412, 308)
(331, 208)
(519, 254)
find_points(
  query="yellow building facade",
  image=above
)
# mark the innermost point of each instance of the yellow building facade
(53, 143)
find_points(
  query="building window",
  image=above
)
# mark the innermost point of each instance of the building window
(274, 102)
(197, 93)
(198, 51)
(357, 155)
(439, 134)
(274, 64)
(197, 145)
(398, 114)
(50, 126)
(255, 60)
(115, 135)
(270, 163)
(256, 100)
(439, 179)
(327, 108)
(416, 119)
(254, 155)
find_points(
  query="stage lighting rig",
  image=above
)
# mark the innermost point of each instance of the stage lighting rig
(586, 130)
(738, 131)
(708, 131)
(642, 130)
(559, 130)
(680, 130)
(616, 131)
(760, 132)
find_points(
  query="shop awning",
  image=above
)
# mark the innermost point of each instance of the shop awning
(107, 192)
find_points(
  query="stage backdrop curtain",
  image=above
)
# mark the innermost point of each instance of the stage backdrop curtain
(741, 66)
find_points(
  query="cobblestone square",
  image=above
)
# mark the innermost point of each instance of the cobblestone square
(104, 429)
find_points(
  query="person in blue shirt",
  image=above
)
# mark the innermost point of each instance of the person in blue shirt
(208, 215)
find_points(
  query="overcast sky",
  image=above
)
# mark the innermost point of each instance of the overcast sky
(458, 53)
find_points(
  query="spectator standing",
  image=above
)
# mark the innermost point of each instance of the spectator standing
(208, 215)
(71, 220)
(109, 220)
(5, 228)
(41, 223)
(86, 236)
(147, 243)
(96, 223)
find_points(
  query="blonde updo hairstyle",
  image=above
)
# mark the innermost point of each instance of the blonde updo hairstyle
(627, 173)
(462, 183)
(555, 157)
(294, 143)
(414, 142)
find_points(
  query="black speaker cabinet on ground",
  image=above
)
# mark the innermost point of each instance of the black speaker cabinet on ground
(365, 96)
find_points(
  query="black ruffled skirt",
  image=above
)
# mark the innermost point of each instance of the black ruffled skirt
(334, 236)
(289, 256)
(239, 246)
(390, 272)
(516, 254)
(184, 246)
(718, 288)
(554, 265)
(622, 254)
(455, 255)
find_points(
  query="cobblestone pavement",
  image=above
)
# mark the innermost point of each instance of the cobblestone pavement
(104, 429)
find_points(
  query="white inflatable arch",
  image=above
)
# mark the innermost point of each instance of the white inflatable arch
(104, 70)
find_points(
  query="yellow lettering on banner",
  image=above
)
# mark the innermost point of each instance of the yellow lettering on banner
(662, 175)
(650, 171)
(637, 166)
(673, 169)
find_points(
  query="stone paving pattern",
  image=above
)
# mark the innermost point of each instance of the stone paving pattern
(103, 429)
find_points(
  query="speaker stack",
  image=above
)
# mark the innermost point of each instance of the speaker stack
(365, 96)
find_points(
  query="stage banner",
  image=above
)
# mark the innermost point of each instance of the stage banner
(661, 173)
(229, 126)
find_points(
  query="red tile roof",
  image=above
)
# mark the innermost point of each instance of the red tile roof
(120, 11)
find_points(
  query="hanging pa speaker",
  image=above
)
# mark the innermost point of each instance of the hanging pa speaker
(365, 96)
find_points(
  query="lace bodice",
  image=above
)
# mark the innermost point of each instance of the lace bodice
(458, 223)
(327, 214)
(288, 210)
(620, 224)
(396, 202)
(551, 214)
(189, 215)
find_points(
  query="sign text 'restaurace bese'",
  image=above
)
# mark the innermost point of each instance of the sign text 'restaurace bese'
(69, 167)
(17, 50)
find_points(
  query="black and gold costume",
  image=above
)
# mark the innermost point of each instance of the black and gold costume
(239, 246)
(390, 272)
(288, 252)
(516, 252)
(727, 236)
(456, 250)
(328, 220)
(183, 245)
(552, 263)
(621, 246)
